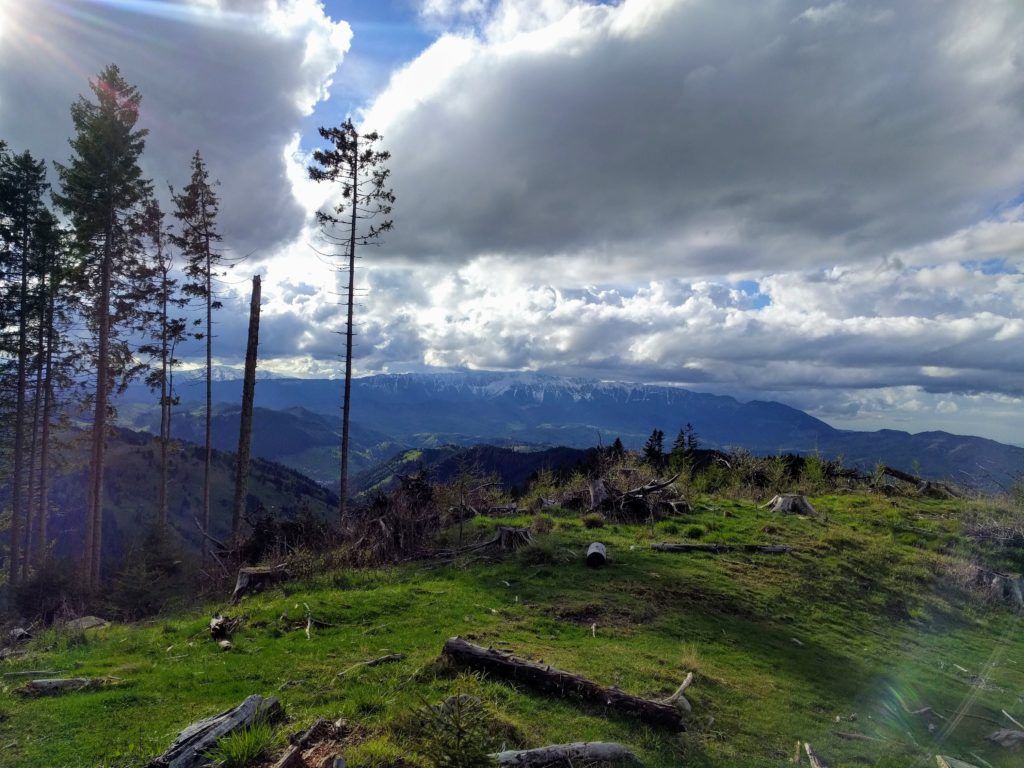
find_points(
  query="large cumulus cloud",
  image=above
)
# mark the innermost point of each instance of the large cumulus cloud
(232, 78)
(695, 138)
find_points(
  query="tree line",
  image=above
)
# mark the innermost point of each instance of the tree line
(95, 290)
(99, 288)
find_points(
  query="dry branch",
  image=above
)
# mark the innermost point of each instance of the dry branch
(566, 754)
(546, 678)
(388, 659)
(816, 762)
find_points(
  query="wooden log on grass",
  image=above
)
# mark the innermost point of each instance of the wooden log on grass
(58, 686)
(763, 549)
(579, 753)
(543, 677)
(190, 748)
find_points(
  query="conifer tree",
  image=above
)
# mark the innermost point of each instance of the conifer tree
(23, 180)
(168, 330)
(102, 192)
(358, 219)
(654, 449)
(196, 210)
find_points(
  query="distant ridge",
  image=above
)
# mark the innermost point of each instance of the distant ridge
(467, 408)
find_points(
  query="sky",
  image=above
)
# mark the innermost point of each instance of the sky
(820, 203)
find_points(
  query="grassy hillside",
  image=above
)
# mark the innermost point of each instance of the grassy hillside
(869, 620)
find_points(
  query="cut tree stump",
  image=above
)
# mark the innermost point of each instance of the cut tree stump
(190, 748)
(58, 686)
(597, 555)
(546, 678)
(582, 753)
(764, 549)
(791, 504)
(256, 579)
(507, 538)
(223, 627)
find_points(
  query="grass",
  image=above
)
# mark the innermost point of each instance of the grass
(243, 747)
(856, 630)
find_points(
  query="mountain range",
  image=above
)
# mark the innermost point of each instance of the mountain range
(298, 420)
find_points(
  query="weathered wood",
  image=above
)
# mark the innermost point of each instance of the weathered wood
(222, 627)
(388, 659)
(245, 426)
(583, 753)
(256, 579)
(791, 503)
(930, 488)
(764, 549)
(951, 762)
(546, 678)
(58, 686)
(677, 699)
(812, 757)
(1007, 738)
(597, 555)
(192, 744)
(507, 538)
(87, 622)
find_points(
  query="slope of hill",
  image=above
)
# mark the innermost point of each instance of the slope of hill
(414, 410)
(131, 486)
(513, 467)
(865, 642)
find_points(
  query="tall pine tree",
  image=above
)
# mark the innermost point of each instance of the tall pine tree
(23, 181)
(196, 210)
(102, 192)
(354, 162)
(167, 331)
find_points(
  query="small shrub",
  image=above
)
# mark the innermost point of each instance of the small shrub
(541, 552)
(244, 746)
(543, 523)
(593, 520)
(670, 528)
(695, 532)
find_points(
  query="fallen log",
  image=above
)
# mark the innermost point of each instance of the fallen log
(951, 762)
(256, 579)
(190, 748)
(58, 686)
(566, 754)
(597, 555)
(812, 757)
(791, 503)
(1007, 738)
(764, 549)
(546, 678)
(930, 488)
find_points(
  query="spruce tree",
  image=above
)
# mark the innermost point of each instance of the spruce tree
(102, 192)
(196, 210)
(654, 449)
(23, 180)
(167, 331)
(358, 219)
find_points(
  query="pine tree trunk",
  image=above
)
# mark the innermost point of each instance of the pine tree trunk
(18, 480)
(165, 426)
(30, 507)
(94, 520)
(39, 556)
(245, 431)
(209, 405)
(347, 406)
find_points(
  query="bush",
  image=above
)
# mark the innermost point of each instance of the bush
(695, 532)
(543, 523)
(593, 520)
(52, 592)
(243, 747)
